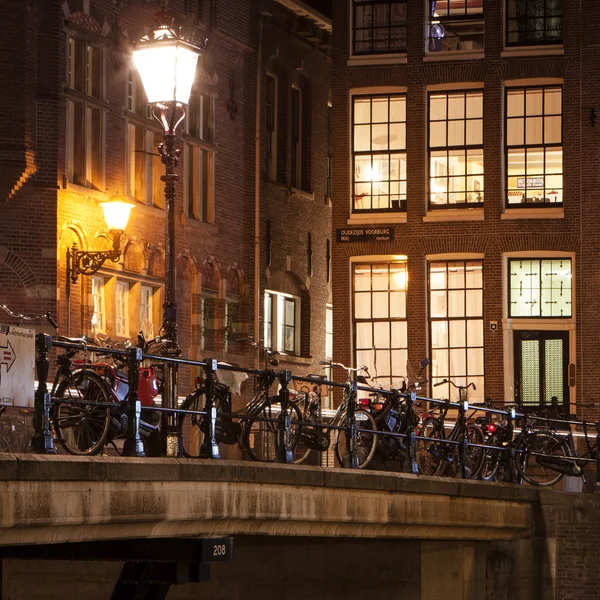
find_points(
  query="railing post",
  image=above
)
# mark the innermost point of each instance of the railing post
(410, 434)
(284, 451)
(597, 484)
(463, 446)
(351, 458)
(509, 459)
(210, 447)
(133, 445)
(42, 441)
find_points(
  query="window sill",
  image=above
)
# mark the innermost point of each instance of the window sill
(369, 219)
(302, 194)
(518, 51)
(82, 190)
(209, 228)
(533, 213)
(454, 55)
(377, 59)
(454, 214)
(291, 359)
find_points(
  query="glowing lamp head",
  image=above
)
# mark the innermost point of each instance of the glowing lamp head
(116, 213)
(166, 63)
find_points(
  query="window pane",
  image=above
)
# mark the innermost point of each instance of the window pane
(362, 110)
(362, 306)
(456, 106)
(474, 333)
(533, 101)
(399, 337)
(439, 334)
(397, 109)
(438, 306)
(458, 334)
(456, 133)
(364, 335)
(552, 130)
(380, 108)
(515, 132)
(515, 103)
(362, 138)
(380, 305)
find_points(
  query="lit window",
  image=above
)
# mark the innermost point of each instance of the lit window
(98, 313)
(144, 166)
(540, 287)
(147, 311)
(379, 27)
(85, 115)
(534, 22)
(271, 122)
(198, 156)
(122, 317)
(455, 25)
(456, 326)
(455, 149)
(534, 151)
(379, 153)
(379, 320)
(282, 322)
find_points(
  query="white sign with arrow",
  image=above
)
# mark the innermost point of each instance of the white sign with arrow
(17, 366)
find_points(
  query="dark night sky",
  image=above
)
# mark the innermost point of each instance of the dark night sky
(323, 6)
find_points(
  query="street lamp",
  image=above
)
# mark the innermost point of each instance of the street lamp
(166, 60)
(87, 262)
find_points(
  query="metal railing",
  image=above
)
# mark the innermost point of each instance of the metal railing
(43, 439)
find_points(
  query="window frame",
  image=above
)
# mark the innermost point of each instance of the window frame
(474, 17)
(272, 129)
(146, 304)
(466, 378)
(297, 124)
(512, 259)
(98, 293)
(395, 379)
(353, 29)
(85, 140)
(278, 300)
(530, 43)
(544, 146)
(402, 203)
(198, 148)
(448, 149)
(122, 289)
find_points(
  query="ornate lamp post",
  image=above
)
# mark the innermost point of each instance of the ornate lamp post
(166, 60)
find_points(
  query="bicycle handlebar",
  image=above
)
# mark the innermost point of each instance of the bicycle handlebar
(330, 363)
(458, 387)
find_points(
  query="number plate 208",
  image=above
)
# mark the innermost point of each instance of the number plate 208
(217, 550)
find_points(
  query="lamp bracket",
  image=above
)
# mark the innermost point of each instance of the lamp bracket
(88, 262)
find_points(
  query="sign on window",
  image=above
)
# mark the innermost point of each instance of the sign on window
(530, 182)
(17, 359)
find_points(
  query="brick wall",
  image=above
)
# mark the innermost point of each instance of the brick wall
(576, 232)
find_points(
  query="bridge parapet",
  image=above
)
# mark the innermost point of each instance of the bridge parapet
(48, 499)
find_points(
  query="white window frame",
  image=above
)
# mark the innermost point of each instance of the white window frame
(122, 308)
(98, 304)
(146, 314)
(277, 323)
(512, 324)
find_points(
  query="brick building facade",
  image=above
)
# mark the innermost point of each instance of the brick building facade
(494, 280)
(76, 130)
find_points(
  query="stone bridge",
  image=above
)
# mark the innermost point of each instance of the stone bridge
(299, 532)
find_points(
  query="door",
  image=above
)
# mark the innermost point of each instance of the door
(541, 368)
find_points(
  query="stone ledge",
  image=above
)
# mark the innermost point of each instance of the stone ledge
(35, 467)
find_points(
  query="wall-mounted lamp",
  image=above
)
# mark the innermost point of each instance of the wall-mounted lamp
(83, 262)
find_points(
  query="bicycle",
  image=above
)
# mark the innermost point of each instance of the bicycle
(256, 431)
(438, 453)
(316, 431)
(555, 455)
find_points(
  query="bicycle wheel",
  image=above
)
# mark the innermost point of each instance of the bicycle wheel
(474, 455)
(490, 469)
(191, 425)
(429, 450)
(261, 432)
(539, 442)
(82, 429)
(365, 442)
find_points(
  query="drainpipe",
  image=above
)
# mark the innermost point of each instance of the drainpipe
(257, 181)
